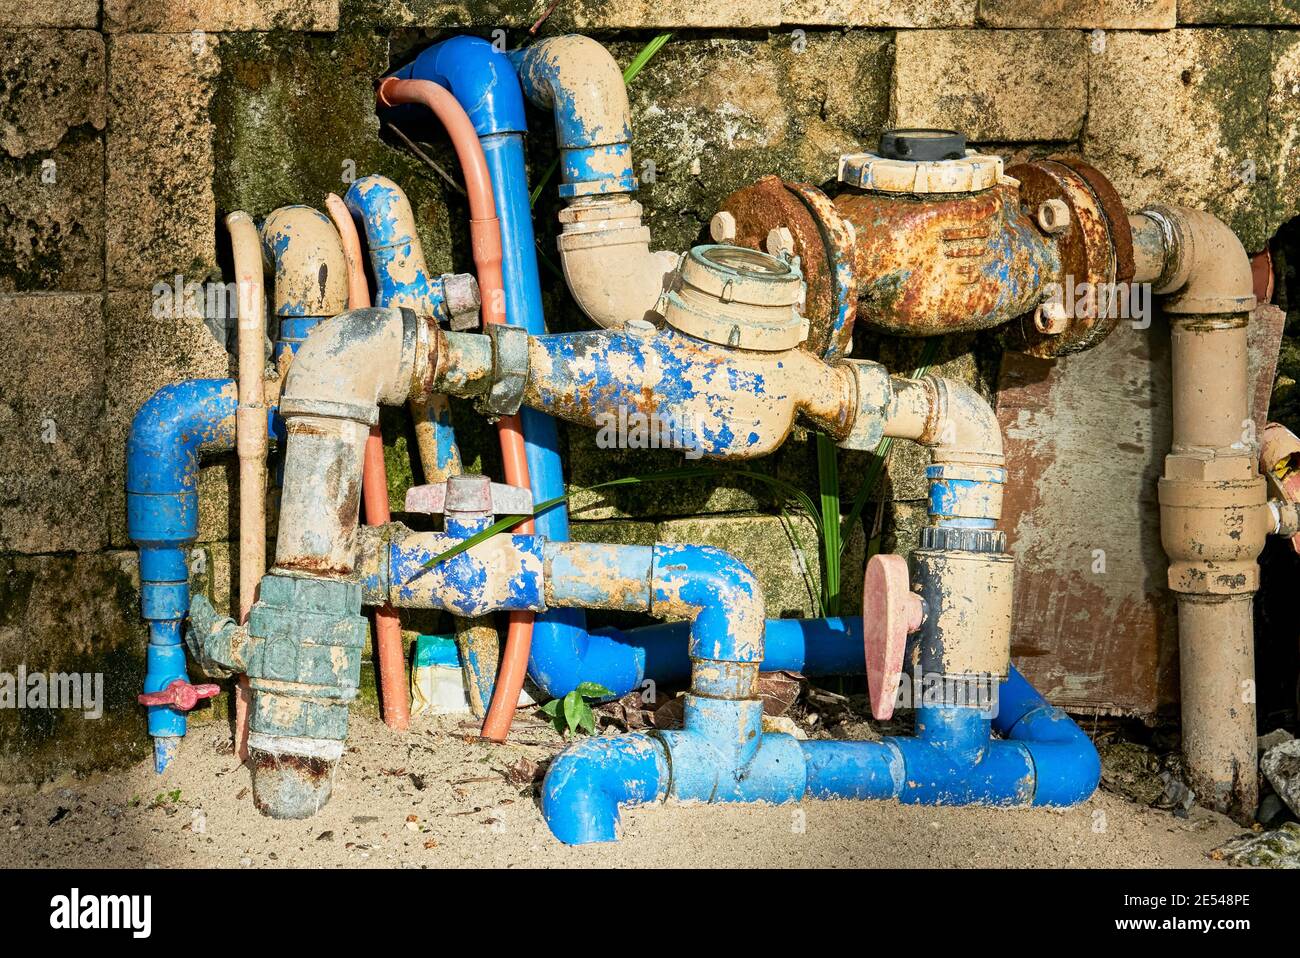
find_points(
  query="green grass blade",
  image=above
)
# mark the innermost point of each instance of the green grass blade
(505, 523)
(828, 480)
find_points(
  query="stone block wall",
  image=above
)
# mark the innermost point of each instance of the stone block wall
(129, 128)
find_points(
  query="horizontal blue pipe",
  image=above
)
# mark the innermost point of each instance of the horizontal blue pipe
(594, 364)
(169, 433)
(1045, 759)
(623, 659)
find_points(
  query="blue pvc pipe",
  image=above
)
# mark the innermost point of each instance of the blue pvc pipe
(169, 433)
(483, 81)
(586, 784)
(371, 199)
(1044, 759)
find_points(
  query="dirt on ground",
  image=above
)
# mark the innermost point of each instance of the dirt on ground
(436, 797)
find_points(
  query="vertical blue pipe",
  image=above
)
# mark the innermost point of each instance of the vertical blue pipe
(485, 84)
(169, 433)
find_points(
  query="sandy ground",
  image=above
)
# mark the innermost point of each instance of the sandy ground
(436, 797)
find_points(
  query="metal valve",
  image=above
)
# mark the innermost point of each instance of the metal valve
(180, 695)
(890, 611)
(469, 495)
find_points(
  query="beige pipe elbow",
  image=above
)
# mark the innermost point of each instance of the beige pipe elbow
(607, 263)
(950, 417)
(1205, 268)
(344, 370)
(590, 78)
(606, 259)
(311, 273)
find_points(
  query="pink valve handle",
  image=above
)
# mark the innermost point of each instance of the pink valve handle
(890, 610)
(180, 695)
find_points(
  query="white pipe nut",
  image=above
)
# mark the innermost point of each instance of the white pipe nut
(871, 381)
(461, 294)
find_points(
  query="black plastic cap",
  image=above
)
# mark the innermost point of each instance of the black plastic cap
(922, 145)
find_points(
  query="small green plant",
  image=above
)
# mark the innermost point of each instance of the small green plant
(572, 715)
(163, 799)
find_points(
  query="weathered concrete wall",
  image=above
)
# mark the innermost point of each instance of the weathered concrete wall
(128, 128)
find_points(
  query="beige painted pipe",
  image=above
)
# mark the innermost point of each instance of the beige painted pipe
(604, 247)
(1214, 516)
(250, 435)
(311, 274)
(606, 259)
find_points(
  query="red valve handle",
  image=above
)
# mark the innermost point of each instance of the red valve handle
(180, 695)
(890, 610)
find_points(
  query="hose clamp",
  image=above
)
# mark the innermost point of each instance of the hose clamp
(509, 371)
(871, 395)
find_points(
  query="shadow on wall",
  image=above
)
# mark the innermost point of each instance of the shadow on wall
(1277, 605)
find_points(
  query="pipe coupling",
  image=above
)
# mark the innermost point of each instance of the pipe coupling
(509, 371)
(1206, 269)
(964, 577)
(873, 397)
(1214, 522)
(303, 658)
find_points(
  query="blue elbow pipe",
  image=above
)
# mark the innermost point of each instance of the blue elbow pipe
(595, 141)
(585, 786)
(563, 654)
(169, 433)
(376, 201)
(402, 279)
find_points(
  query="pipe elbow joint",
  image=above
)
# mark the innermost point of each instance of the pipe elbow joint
(218, 643)
(480, 76)
(306, 254)
(581, 82)
(1067, 766)
(967, 428)
(356, 361)
(718, 593)
(169, 433)
(587, 784)
(1206, 269)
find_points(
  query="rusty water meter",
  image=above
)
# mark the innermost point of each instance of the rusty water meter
(737, 297)
(927, 237)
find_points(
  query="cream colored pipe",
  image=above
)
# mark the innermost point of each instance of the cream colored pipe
(311, 273)
(250, 434)
(250, 415)
(1214, 516)
(606, 259)
(951, 417)
(604, 247)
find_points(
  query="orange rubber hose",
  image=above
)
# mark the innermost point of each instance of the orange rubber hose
(485, 240)
(390, 658)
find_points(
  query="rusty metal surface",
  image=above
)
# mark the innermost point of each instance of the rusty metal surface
(1087, 254)
(768, 203)
(1085, 441)
(928, 266)
(1112, 207)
